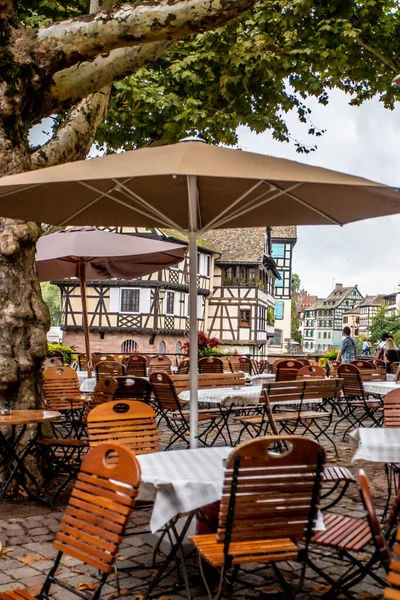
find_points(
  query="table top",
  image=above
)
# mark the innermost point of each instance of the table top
(25, 417)
(180, 481)
(376, 444)
(380, 387)
(226, 396)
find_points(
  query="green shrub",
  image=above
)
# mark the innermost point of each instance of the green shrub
(330, 355)
(70, 355)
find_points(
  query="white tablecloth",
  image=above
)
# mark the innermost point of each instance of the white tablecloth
(88, 385)
(380, 387)
(376, 444)
(261, 378)
(226, 396)
(181, 481)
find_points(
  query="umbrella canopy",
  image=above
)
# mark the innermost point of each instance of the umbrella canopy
(88, 253)
(193, 187)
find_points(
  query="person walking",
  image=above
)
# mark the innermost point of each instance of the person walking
(348, 350)
(392, 355)
(366, 348)
(379, 353)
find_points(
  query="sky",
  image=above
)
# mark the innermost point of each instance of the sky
(362, 141)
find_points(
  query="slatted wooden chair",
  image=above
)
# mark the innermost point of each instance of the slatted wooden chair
(356, 406)
(287, 371)
(332, 368)
(311, 371)
(393, 578)
(104, 391)
(82, 361)
(261, 519)
(245, 365)
(160, 363)
(61, 392)
(264, 367)
(285, 405)
(126, 422)
(100, 358)
(95, 519)
(133, 388)
(184, 366)
(176, 417)
(304, 361)
(363, 364)
(394, 367)
(211, 364)
(350, 536)
(136, 365)
(110, 368)
(56, 354)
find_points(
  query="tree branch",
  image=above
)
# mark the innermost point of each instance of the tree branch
(75, 137)
(67, 43)
(378, 54)
(77, 82)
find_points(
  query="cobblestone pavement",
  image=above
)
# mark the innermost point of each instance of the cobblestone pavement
(27, 530)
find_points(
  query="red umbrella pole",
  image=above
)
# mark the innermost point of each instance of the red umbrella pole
(85, 321)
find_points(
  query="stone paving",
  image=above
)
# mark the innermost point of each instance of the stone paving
(27, 530)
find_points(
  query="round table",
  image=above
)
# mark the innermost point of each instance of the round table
(12, 455)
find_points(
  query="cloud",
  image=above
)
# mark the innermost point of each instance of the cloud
(362, 141)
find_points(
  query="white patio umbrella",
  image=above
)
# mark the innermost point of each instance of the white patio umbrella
(193, 187)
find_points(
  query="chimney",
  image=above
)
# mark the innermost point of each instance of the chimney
(338, 286)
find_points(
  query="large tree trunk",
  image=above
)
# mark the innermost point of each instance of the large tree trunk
(24, 316)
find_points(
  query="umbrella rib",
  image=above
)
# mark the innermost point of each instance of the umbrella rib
(252, 206)
(78, 212)
(23, 189)
(311, 207)
(211, 224)
(146, 204)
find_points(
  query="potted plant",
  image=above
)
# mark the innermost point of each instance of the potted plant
(270, 316)
(243, 281)
(235, 281)
(228, 281)
(251, 281)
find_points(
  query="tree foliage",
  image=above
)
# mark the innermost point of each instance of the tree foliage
(52, 297)
(296, 286)
(383, 322)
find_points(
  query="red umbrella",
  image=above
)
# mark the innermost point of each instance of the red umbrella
(89, 253)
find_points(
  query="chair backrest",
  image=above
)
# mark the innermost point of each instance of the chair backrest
(100, 358)
(289, 392)
(135, 365)
(100, 506)
(352, 381)
(245, 365)
(51, 362)
(303, 361)
(184, 366)
(209, 380)
(160, 363)
(60, 383)
(287, 371)
(391, 408)
(332, 368)
(164, 391)
(310, 371)
(378, 536)
(262, 489)
(56, 354)
(109, 368)
(126, 422)
(379, 364)
(104, 391)
(82, 361)
(211, 364)
(394, 367)
(264, 367)
(363, 364)
(134, 388)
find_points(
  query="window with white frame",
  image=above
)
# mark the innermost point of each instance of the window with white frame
(130, 300)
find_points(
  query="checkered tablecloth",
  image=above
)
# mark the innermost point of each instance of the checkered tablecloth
(376, 444)
(226, 396)
(87, 385)
(380, 387)
(181, 481)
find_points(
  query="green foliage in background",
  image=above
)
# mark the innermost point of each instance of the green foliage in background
(70, 355)
(295, 333)
(330, 355)
(52, 296)
(383, 322)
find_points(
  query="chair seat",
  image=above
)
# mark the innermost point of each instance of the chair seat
(16, 595)
(344, 533)
(330, 474)
(256, 551)
(201, 416)
(67, 442)
(306, 414)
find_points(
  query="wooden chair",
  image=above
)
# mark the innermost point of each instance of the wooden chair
(61, 391)
(304, 361)
(287, 370)
(135, 365)
(332, 368)
(56, 354)
(245, 365)
(126, 422)
(51, 362)
(82, 361)
(363, 364)
(104, 391)
(133, 388)
(394, 367)
(261, 519)
(285, 406)
(393, 578)
(356, 406)
(211, 364)
(175, 416)
(160, 363)
(94, 522)
(110, 368)
(350, 536)
(379, 364)
(311, 371)
(100, 358)
(184, 366)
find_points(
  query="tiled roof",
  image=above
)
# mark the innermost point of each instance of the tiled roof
(244, 245)
(372, 300)
(284, 231)
(337, 296)
(202, 242)
(307, 302)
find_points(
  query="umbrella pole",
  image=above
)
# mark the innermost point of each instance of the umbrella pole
(194, 342)
(85, 320)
